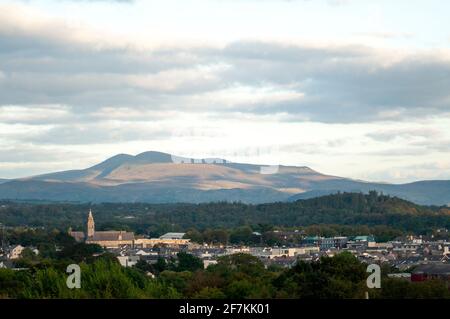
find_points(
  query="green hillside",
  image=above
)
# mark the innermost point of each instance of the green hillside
(352, 209)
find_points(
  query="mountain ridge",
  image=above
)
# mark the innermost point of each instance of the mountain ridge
(158, 177)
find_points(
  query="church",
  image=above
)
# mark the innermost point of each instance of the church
(107, 239)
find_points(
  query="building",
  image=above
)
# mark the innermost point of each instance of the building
(326, 243)
(431, 271)
(172, 236)
(119, 238)
(209, 262)
(283, 252)
(168, 239)
(128, 261)
(107, 239)
(16, 252)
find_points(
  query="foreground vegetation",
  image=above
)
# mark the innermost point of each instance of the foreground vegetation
(236, 276)
(44, 225)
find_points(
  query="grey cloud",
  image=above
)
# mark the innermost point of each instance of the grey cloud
(328, 147)
(389, 135)
(340, 84)
(50, 70)
(439, 145)
(112, 1)
(27, 160)
(397, 152)
(348, 83)
(34, 155)
(97, 134)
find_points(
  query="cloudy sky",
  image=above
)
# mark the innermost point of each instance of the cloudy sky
(355, 88)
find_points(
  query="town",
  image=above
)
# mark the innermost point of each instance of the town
(413, 258)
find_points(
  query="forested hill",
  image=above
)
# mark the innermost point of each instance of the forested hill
(367, 203)
(343, 209)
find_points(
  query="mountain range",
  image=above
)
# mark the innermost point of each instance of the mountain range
(156, 177)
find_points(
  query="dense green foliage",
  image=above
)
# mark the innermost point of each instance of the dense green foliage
(235, 276)
(346, 214)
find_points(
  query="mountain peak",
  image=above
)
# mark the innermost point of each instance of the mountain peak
(115, 161)
(153, 157)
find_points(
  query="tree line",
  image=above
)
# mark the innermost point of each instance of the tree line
(386, 215)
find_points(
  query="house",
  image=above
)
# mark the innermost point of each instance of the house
(431, 271)
(128, 261)
(208, 262)
(405, 276)
(144, 253)
(447, 251)
(326, 243)
(237, 250)
(312, 240)
(405, 263)
(16, 252)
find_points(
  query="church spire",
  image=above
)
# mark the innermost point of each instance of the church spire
(90, 225)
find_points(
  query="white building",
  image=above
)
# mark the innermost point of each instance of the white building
(172, 236)
(128, 261)
(16, 252)
(208, 262)
(237, 250)
(270, 252)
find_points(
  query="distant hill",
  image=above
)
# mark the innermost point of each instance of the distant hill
(156, 177)
(422, 192)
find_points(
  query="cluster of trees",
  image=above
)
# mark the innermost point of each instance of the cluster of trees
(236, 276)
(346, 209)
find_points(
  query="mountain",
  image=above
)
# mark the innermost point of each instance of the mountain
(157, 177)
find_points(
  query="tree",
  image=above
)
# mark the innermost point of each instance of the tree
(161, 265)
(80, 252)
(144, 266)
(209, 293)
(239, 289)
(188, 262)
(241, 235)
(244, 263)
(338, 277)
(194, 235)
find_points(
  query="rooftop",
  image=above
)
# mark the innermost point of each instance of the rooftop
(172, 236)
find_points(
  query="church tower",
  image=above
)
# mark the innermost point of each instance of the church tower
(90, 225)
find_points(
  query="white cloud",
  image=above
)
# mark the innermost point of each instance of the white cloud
(33, 114)
(238, 97)
(85, 86)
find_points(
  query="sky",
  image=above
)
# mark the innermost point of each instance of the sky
(353, 88)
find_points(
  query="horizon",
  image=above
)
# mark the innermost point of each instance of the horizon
(348, 88)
